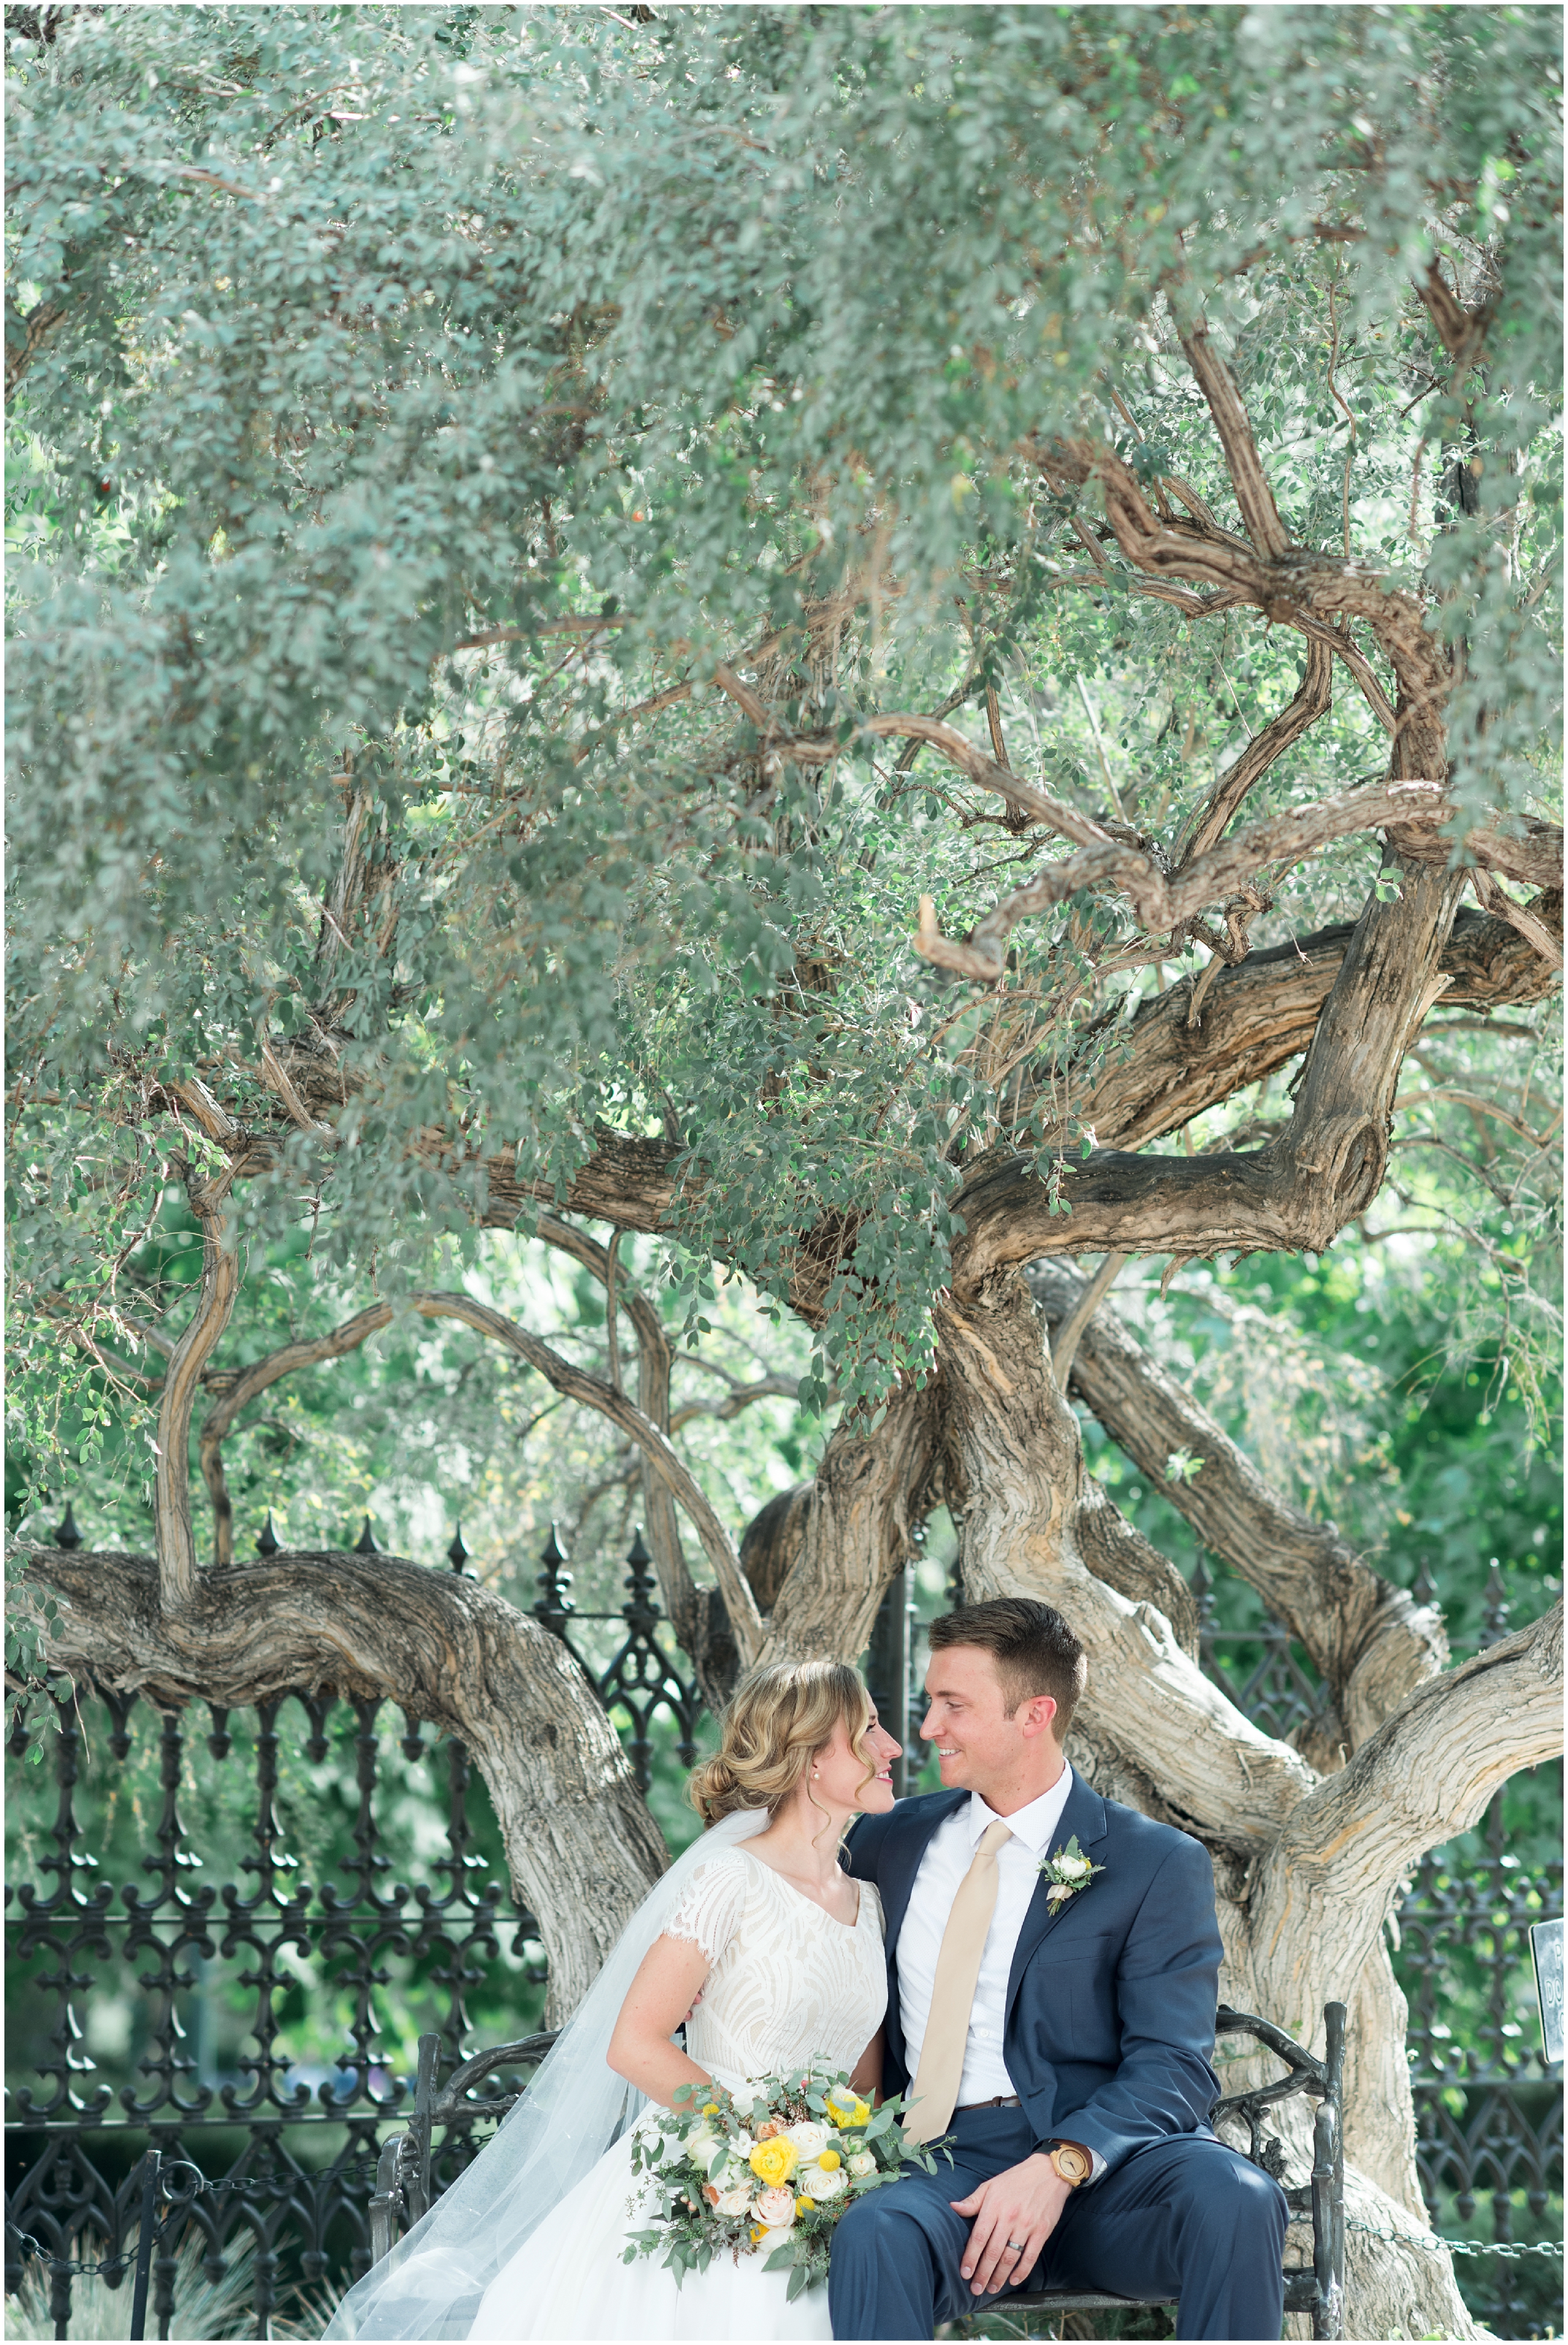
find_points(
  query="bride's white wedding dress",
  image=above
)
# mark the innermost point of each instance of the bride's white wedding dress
(789, 1986)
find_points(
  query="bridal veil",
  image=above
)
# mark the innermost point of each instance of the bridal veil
(575, 2109)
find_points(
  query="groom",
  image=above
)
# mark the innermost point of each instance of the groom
(1061, 2042)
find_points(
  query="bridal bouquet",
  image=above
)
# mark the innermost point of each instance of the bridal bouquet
(766, 2172)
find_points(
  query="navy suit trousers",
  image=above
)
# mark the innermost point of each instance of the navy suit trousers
(1183, 2217)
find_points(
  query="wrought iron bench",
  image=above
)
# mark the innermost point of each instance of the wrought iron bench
(403, 2170)
(403, 2174)
(1316, 2288)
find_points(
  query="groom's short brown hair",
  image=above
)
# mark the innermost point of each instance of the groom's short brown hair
(1034, 1649)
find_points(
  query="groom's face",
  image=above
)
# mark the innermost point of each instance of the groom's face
(979, 1746)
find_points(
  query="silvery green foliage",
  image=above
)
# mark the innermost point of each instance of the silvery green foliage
(347, 337)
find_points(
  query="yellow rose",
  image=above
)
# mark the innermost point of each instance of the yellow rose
(773, 2162)
(830, 2159)
(858, 2116)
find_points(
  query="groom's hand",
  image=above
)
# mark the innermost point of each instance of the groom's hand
(1022, 2204)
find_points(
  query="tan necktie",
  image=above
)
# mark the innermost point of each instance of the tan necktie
(936, 2087)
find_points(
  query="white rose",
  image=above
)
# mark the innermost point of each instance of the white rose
(862, 2163)
(811, 2140)
(701, 2149)
(735, 2202)
(776, 2238)
(817, 2183)
(1075, 1868)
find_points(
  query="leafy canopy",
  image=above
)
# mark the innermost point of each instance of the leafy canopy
(416, 407)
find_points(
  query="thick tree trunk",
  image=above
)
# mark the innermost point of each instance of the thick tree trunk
(581, 1845)
(1016, 1482)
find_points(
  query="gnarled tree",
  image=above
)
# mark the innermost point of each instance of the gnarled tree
(528, 524)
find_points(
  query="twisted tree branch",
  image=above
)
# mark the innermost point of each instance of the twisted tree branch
(574, 1383)
(1369, 1641)
(1332, 1875)
(1260, 514)
(1161, 902)
(182, 1379)
(686, 1604)
(1312, 700)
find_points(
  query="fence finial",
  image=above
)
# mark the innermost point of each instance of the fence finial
(553, 1605)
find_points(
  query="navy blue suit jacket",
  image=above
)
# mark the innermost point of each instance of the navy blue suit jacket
(1112, 1996)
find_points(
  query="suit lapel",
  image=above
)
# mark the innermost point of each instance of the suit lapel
(1083, 1818)
(901, 1862)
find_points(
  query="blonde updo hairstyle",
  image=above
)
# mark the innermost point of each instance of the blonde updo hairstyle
(774, 1724)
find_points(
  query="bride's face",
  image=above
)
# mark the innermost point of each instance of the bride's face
(838, 1771)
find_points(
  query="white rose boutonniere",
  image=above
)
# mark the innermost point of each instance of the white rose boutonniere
(1068, 1870)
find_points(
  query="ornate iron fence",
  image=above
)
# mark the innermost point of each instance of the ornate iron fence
(292, 2135)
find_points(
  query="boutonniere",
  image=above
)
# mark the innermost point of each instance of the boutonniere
(1068, 1870)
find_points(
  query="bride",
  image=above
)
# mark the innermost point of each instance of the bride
(771, 1955)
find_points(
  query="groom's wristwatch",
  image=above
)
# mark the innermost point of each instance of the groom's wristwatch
(1071, 2161)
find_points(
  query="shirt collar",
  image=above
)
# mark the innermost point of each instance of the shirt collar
(1033, 1825)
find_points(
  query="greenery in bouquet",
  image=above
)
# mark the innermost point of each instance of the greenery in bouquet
(768, 2171)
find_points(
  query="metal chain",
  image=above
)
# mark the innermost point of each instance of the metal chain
(1433, 2244)
(358, 2169)
(32, 2246)
(361, 2169)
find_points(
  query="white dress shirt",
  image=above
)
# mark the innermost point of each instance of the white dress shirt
(949, 1852)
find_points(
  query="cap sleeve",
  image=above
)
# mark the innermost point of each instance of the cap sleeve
(709, 1913)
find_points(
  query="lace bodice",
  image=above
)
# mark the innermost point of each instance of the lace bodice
(789, 1985)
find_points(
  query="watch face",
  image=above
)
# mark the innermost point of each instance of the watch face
(1070, 2162)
